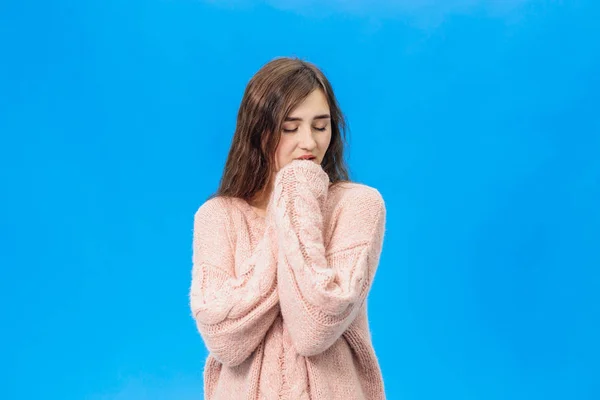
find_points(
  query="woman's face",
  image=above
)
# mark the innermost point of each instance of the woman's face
(306, 131)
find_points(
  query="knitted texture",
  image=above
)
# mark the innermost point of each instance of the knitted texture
(280, 300)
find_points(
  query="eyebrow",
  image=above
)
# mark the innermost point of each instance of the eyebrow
(322, 116)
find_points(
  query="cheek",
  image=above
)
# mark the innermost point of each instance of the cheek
(282, 154)
(280, 158)
(324, 145)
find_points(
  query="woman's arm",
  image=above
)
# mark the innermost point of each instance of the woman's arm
(321, 294)
(232, 313)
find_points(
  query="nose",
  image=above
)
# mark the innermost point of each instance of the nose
(306, 139)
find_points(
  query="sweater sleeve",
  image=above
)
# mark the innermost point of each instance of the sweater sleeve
(321, 292)
(232, 310)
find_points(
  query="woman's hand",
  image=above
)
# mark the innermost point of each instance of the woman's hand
(308, 174)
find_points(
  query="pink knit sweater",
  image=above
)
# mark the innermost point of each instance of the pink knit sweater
(280, 300)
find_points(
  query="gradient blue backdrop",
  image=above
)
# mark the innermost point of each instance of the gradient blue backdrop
(478, 121)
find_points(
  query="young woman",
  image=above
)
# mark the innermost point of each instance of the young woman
(285, 252)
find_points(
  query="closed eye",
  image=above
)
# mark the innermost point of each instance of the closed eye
(294, 130)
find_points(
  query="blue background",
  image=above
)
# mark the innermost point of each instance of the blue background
(478, 121)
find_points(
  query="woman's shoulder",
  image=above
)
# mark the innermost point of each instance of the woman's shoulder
(355, 193)
(216, 207)
(226, 209)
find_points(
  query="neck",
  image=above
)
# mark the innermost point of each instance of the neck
(260, 200)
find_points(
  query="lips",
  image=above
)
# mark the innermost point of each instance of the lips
(306, 158)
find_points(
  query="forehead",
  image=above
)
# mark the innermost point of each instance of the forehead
(315, 103)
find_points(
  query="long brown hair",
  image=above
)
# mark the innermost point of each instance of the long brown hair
(271, 94)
